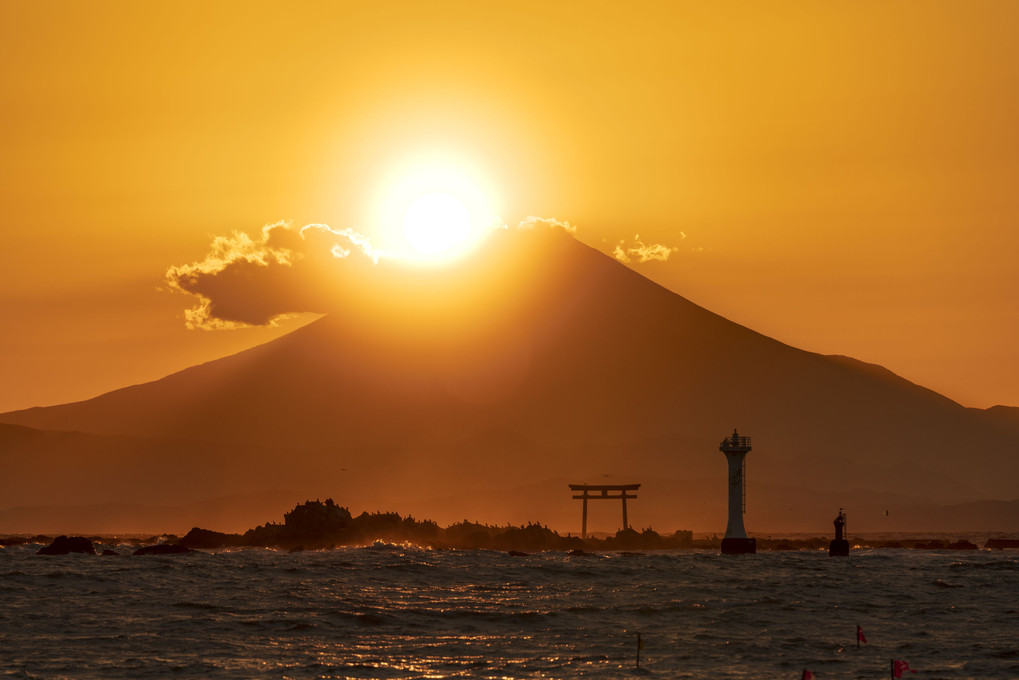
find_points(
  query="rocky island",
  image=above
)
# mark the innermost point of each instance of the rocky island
(316, 525)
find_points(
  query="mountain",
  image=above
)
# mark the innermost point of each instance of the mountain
(540, 358)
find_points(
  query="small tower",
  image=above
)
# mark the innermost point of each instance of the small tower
(736, 542)
(840, 546)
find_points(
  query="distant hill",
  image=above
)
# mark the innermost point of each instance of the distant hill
(539, 359)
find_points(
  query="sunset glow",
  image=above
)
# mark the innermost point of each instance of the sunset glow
(839, 198)
(344, 311)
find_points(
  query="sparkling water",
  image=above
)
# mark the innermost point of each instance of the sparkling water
(401, 612)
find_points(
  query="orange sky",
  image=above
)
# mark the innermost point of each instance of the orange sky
(840, 176)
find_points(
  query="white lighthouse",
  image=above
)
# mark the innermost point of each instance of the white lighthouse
(736, 542)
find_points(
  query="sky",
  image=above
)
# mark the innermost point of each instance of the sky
(839, 176)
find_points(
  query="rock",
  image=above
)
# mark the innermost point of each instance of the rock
(1002, 544)
(930, 545)
(517, 553)
(209, 540)
(62, 545)
(108, 552)
(962, 544)
(163, 549)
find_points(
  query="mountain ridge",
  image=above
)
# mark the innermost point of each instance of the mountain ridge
(560, 361)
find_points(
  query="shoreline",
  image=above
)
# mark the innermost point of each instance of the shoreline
(316, 525)
(573, 545)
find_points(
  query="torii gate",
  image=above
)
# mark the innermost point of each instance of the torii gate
(603, 490)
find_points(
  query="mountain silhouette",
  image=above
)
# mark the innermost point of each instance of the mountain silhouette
(537, 359)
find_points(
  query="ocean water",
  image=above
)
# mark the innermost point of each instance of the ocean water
(401, 612)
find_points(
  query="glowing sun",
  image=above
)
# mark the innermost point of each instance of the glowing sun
(432, 209)
(435, 223)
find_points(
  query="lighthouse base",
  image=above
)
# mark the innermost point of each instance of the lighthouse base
(838, 548)
(739, 546)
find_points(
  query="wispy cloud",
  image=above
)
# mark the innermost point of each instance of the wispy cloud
(533, 222)
(639, 251)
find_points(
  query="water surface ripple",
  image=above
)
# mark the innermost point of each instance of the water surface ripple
(402, 612)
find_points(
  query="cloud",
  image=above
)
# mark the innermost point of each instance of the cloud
(643, 252)
(533, 222)
(246, 281)
(284, 270)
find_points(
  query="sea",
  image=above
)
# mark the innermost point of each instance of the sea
(398, 611)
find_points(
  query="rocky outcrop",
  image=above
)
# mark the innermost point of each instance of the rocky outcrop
(1002, 544)
(936, 544)
(64, 545)
(207, 539)
(312, 524)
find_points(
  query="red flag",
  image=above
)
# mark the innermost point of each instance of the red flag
(859, 635)
(807, 675)
(899, 667)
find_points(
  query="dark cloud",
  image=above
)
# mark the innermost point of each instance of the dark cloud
(285, 270)
(246, 281)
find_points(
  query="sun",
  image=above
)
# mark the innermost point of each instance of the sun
(435, 223)
(433, 208)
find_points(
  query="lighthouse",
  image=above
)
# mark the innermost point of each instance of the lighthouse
(840, 546)
(736, 542)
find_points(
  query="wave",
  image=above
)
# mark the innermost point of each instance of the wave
(393, 612)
